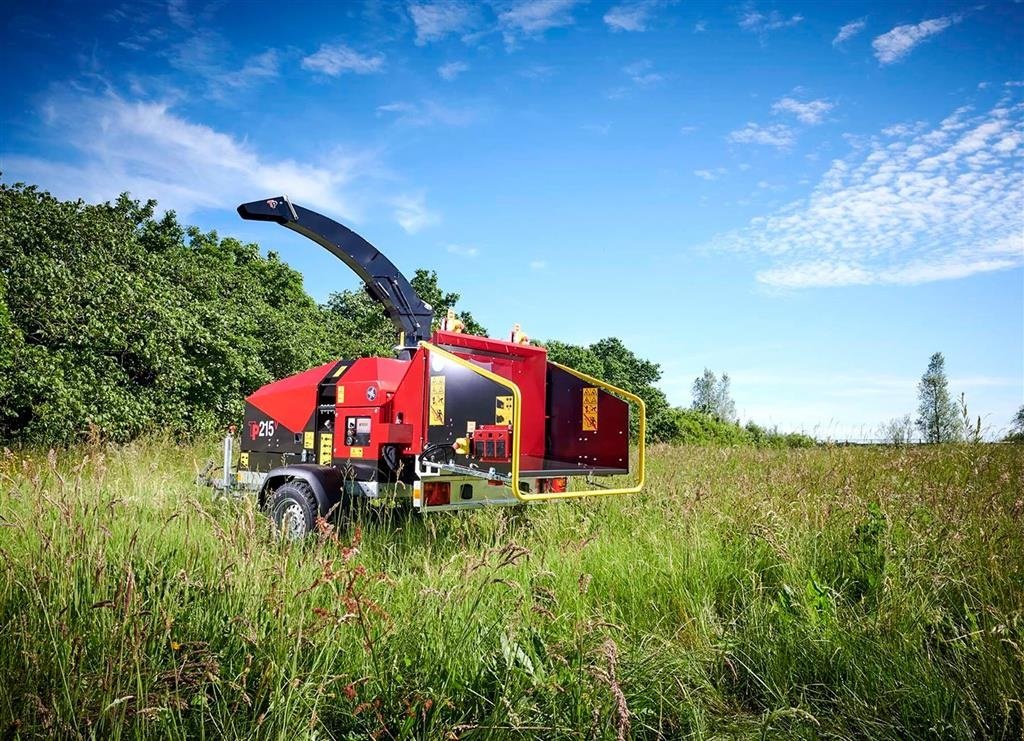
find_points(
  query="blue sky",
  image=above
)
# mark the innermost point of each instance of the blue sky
(811, 197)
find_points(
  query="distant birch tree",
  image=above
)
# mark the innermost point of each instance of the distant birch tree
(937, 414)
(713, 397)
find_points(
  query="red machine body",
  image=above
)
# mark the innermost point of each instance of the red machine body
(354, 411)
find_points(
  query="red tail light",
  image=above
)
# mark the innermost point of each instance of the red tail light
(436, 493)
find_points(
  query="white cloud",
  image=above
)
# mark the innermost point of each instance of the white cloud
(462, 250)
(336, 59)
(777, 135)
(848, 31)
(434, 21)
(177, 11)
(538, 264)
(700, 26)
(428, 113)
(932, 205)
(809, 112)
(684, 130)
(530, 18)
(631, 16)
(642, 73)
(450, 70)
(148, 150)
(711, 174)
(761, 23)
(205, 56)
(263, 66)
(895, 44)
(412, 214)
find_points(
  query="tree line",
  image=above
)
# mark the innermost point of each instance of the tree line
(115, 322)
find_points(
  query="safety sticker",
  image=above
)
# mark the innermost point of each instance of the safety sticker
(326, 448)
(339, 370)
(590, 409)
(307, 440)
(243, 460)
(341, 395)
(503, 410)
(355, 452)
(436, 400)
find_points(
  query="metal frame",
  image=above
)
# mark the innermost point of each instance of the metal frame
(516, 420)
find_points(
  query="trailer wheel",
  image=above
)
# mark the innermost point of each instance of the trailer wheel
(294, 510)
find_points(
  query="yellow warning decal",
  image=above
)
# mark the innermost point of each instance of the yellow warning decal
(355, 452)
(590, 409)
(339, 370)
(341, 395)
(436, 400)
(243, 460)
(307, 441)
(503, 410)
(326, 448)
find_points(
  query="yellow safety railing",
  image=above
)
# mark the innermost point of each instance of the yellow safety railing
(517, 399)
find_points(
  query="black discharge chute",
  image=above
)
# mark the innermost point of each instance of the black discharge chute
(384, 282)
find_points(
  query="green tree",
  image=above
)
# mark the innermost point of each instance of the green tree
(704, 392)
(713, 396)
(122, 322)
(725, 407)
(938, 418)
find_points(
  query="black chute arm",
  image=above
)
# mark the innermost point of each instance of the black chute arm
(384, 282)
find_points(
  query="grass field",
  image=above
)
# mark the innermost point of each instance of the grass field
(832, 592)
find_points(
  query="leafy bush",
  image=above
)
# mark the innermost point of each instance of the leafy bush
(122, 323)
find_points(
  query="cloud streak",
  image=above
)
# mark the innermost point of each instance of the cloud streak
(777, 135)
(434, 21)
(932, 205)
(630, 16)
(848, 31)
(462, 250)
(531, 18)
(810, 112)
(892, 46)
(761, 23)
(412, 214)
(450, 70)
(337, 59)
(428, 113)
(148, 150)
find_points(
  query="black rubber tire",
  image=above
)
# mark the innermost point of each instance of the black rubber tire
(294, 510)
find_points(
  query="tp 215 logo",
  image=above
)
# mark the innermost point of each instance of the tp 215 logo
(266, 428)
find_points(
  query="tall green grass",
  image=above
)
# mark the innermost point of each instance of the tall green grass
(825, 593)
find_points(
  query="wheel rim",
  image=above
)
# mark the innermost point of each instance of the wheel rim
(293, 522)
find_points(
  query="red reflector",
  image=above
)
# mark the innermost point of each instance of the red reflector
(436, 493)
(554, 486)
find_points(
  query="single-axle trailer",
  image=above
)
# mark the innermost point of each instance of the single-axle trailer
(453, 421)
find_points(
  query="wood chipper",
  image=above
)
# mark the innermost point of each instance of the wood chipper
(453, 421)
